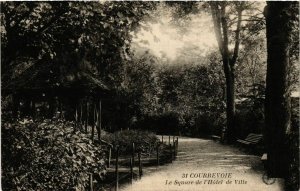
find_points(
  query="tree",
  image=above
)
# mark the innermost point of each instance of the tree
(139, 84)
(58, 43)
(221, 27)
(233, 23)
(94, 34)
(281, 20)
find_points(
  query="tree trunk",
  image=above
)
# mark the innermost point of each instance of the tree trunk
(277, 104)
(230, 107)
(218, 10)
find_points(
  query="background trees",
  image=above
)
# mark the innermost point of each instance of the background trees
(228, 25)
(181, 96)
(234, 23)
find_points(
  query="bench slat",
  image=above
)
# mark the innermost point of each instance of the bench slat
(216, 137)
(244, 142)
(251, 139)
(254, 137)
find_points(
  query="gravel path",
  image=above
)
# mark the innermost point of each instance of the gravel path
(206, 165)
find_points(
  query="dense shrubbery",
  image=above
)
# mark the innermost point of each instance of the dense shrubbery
(143, 140)
(249, 117)
(165, 123)
(292, 181)
(47, 155)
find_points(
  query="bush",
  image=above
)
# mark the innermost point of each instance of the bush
(143, 140)
(47, 155)
(292, 181)
(165, 123)
(249, 117)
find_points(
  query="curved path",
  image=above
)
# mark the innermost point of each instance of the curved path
(206, 165)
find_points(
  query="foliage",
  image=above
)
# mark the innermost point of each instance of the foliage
(179, 92)
(292, 181)
(251, 67)
(54, 42)
(47, 155)
(144, 141)
(92, 36)
(161, 123)
(250, 82)
(192, 91)
(249, 116)
(140, 83)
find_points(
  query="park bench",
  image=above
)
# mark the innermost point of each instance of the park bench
(266, 178)
(251, 139)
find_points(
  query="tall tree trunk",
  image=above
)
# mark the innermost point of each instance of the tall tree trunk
(230, 106)
(277, 105)
(218, 10)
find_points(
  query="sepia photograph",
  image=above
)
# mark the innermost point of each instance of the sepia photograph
(149, 95)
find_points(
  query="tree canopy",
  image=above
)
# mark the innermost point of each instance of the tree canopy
(90, 36)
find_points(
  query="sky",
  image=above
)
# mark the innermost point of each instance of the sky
(167, 39)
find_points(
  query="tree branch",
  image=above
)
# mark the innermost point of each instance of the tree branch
(256, 15)
(225, 31)
(52, 20)
(217, 25)
(237, 39)
(258, 20)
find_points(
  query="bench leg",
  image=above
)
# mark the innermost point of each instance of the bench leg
(267, 180)
(241, 147)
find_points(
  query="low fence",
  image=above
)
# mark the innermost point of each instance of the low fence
(128, 168)
(122, 168)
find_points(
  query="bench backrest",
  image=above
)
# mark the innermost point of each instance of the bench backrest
(255, 138)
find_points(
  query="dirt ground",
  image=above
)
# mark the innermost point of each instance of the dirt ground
(206, 165)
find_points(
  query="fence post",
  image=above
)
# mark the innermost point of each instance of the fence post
(100, 119)
(97, 123)
(176, 146)
(109, 157)
(91, 182)
(131, 170)
(117, 170)
(80, 118)
(174, 149)
(76, 117)
(140, 165)
(157, 155)
(171, 152)
(87, 117)
(132, 154)
(94, 122)
(60, 110)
